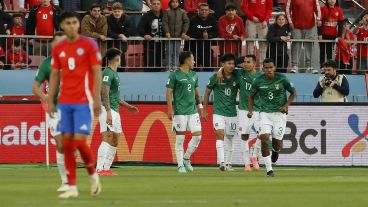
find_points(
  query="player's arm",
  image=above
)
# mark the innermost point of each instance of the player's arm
(292, 91)
(250, 105)
(54, 83)
(170, 109)
(37, 91)
(96, 70)
(105, 91)
(206, 99)
(199, 100)
(126, 105)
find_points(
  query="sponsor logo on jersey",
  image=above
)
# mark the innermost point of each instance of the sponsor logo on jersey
(263, 87)
(84, 127)
(183, 79)
(62, 54)
(80, 51)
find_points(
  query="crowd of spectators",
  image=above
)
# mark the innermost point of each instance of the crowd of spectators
(195, 22)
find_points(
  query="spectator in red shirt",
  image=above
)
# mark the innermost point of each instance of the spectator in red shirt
(43, 20)
(17, 29)
(332, 18)
(362, 49)
(300, 14)
(231, 27)
(16, 57)
(2, 58)
(258, 14)
(344, 49)
(30, 4)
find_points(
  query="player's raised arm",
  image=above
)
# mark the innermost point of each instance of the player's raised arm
(170, 110)
(96, 69)
(206, 98)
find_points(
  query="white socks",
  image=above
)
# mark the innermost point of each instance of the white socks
(179, 149)
(268, 163)
(220, 151)
(245, 152)
(229, 149)
(61, 167)
(192, 146)
(105, 157)
(256, 148)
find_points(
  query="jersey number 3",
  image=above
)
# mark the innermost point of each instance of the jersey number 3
(71, 63)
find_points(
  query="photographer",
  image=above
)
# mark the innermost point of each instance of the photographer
(332, 87)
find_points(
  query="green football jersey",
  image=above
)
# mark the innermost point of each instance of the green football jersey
(224, 95)
(43, 74)
(183, 85)
(272, 93)
(111, 78)
(245, 84)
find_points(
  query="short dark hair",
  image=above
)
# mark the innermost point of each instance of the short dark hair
(17, 43)
(330, 63)
(94, 6)
(239, 60)
(112, 53)
(230, 6)
(227, 57)
(183, 56)
(268, 60)
(203, 5)
(253, 57)
(67, 15)
(117, 5)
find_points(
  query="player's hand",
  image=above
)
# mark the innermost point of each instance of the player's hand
(97, 107)
(51, 109)
(250, 114)
(200, 111)
(133, 109)
(283, 109)
(205, 115)
(220, 76)
(170, 115)
(148, 37)
(109, 118)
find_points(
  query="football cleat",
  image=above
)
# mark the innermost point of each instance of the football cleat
(109, 173)
(69, 194)
(274, 156)
(254, 163)
(270, 174)
(182, 169)
(222, 166)
(64, 187)
(248, 168)
(188, 166)
(95, 185)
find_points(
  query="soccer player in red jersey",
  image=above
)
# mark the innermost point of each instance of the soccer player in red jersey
(76, 62)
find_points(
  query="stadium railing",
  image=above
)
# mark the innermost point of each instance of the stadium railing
(141, 55)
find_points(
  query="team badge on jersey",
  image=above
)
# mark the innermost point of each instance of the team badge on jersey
(277, 86)
(80, 51)
(337, 14)
(234, 84)
(193, 78)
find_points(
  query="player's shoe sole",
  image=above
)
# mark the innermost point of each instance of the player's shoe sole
(274, 156)
(95, 186)
(69, 194)
(188, 166)
(255, 163)
(270, 174)
(63, 188)
(182, 169)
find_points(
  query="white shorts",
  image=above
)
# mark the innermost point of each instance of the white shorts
(273, 123)
(228, 124)
(53, 123)
(182, 123)
(247, 125)
(116, 121)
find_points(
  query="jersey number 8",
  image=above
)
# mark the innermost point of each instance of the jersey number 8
(71, 63)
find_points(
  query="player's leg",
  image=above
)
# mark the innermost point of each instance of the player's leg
(195, 127)
(230, 131)
(266, 129)
(180, 127)
(82, 128)
(279, 127)
(255, 125)
(244, 131)
(103, 148)
(55, 133)
(219, 126)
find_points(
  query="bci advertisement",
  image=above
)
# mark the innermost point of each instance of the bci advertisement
(315, 135)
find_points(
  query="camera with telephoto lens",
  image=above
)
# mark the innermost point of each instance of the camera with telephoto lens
(328, 81)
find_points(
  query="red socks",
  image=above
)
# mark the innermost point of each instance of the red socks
(70, 145)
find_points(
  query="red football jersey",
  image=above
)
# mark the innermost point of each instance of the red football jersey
(75, 60)
(330, 18)
(45, 21)
(15, 31)
(362, 49)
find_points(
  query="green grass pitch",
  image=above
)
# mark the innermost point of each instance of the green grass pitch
(30, 185)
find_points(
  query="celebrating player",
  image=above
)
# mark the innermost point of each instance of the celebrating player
(245, 79)
(76, 62)
(224, 113)
(182, 85)
(110, 123)
(271, 88)
(43, 76)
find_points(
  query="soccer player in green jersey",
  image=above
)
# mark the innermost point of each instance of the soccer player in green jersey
(42, 76)
(271, 87)
(224, 113)
(246, 73)
(182, 85)
(110, 122)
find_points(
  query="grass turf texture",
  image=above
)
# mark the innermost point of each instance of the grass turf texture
(30, 185)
